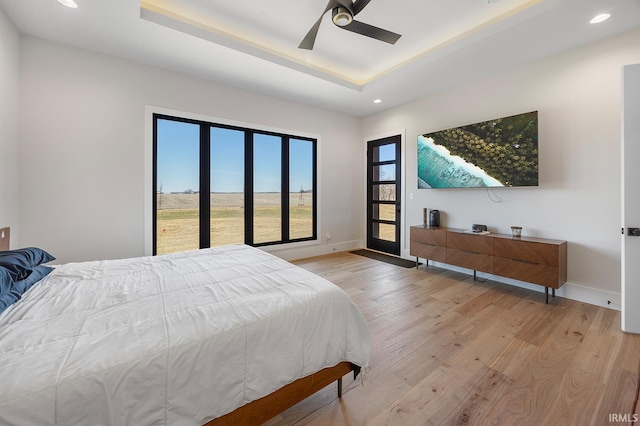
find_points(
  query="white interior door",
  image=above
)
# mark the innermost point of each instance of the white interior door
(630, 198)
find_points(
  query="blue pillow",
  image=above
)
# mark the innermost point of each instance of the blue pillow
(19, 262)
(6, 281)
(20, 287)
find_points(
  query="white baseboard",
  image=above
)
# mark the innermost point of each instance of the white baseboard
(577, 292)
(594, 296)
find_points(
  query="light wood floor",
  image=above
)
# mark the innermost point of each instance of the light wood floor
(447, 350)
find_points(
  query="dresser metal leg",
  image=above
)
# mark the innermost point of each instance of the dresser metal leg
(546, 293)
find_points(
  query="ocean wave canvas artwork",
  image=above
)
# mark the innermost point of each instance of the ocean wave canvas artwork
(494, 153)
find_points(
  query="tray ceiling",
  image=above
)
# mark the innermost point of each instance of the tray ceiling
(254, 45)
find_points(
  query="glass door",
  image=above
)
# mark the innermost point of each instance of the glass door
(383, 195)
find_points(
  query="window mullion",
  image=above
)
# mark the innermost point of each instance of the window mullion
(315, 190)
(155, 185)
(205, 186)
(248, 187)
(285, 189)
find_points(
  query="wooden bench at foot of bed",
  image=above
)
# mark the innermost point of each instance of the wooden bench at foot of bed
(263, 409)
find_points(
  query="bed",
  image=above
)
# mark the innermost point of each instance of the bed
(229, 335)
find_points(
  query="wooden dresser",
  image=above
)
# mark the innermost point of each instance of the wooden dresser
(533, 260)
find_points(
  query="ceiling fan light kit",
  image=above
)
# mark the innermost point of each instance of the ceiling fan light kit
(341, 16)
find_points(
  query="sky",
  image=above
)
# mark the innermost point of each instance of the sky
(178, 160)
(387, 152)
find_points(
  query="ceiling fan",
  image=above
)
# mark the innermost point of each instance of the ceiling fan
(343, 12)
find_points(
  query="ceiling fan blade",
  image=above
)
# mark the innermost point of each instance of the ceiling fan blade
(359, 5)
(310, 39)
(371, 31)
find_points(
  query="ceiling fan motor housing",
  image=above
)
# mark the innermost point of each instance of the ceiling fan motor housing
(341, 16)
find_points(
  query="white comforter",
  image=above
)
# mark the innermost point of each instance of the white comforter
(169, 340)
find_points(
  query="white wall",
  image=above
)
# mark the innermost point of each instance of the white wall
(82, 127)
(9, 142)
(577, 95)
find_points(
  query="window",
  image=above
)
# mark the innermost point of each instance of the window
(216, 185)
(177, 206)
(267, 188)
(301, 189)
(227, 186)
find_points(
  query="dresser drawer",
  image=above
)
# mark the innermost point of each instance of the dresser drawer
(542, 253)
(432, 236)
(471, 260)
(428, 251)
(470, 242)
(535, 273)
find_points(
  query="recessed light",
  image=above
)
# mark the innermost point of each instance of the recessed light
(601, 18)
(377, 101)
(68, 3)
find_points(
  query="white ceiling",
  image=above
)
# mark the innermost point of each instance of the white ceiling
(253, 44)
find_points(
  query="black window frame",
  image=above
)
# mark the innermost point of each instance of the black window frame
(205, 181)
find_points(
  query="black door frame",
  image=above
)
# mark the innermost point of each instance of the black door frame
(391, 247)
